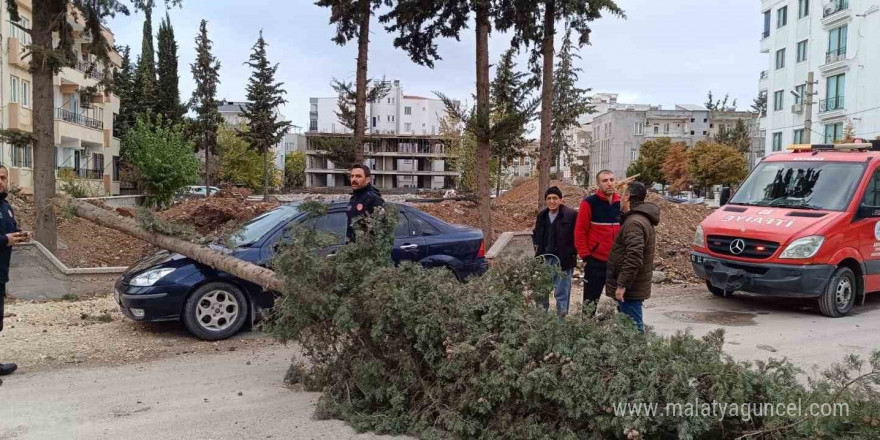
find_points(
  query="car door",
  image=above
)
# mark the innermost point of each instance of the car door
(408, 245)
(868, 221)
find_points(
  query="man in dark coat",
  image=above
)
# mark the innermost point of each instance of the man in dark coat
(10, 236)
(631, 263)
(553, 238)
(364, 197)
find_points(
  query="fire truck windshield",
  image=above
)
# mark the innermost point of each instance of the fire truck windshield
(801, 185)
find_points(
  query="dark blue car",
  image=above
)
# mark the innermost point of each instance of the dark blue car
(215, 305)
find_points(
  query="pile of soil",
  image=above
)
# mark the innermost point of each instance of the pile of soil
(516, 210)
(211, 214)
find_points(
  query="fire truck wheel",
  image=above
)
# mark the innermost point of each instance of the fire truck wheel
(840, 295)
(719, 292)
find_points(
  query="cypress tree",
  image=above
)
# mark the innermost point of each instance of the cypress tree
(144, 99)
(206, 73)
(168, 93)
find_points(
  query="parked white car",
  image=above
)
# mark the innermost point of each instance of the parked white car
(199, 191)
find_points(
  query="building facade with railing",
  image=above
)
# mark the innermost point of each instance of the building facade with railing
(85, 145)
(839, 42)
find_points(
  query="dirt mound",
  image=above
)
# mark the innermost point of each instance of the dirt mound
(210, 214)
(516, 210)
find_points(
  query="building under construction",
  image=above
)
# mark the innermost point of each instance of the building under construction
(397, 161)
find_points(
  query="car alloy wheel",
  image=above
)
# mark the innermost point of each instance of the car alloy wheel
(217, 310)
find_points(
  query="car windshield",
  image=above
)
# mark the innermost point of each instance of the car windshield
(255, 229)
(801, 185)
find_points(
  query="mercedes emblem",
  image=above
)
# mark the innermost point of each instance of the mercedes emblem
(737, 246)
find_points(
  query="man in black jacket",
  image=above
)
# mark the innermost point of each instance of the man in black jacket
(10, 236)
(364, 197)
(553, 238)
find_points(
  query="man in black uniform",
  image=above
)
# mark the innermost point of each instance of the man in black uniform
(10, 236)
(364, 197)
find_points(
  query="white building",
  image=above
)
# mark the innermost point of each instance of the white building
(396, 113)
(839, 42)
(403, 144)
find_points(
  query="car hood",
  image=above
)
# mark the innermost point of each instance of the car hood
(164, 258)
(779, 225)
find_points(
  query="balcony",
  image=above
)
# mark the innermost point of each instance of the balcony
(65, 115)
(831, 104)
(82, 173)
(834, 7)
(833, 56)
(84, 66)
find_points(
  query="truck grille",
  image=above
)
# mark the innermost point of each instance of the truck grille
(757, 249)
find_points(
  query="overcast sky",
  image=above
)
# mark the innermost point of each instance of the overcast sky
(664, 53)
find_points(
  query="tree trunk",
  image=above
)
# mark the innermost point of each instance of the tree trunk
(484, 206)
(207, 170)
(45, 229)
(218, 260)
(547, 52)
(498, 179)
(360, 106)
(266, 176)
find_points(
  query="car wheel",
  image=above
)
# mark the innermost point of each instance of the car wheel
(721, 293)
(215, 311)
(840, 295)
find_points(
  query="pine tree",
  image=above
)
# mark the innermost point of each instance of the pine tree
(123, 84)
(206, 73)
(145, 89)
(264, 96)
(569, 100)
(168, 93)
(52, 49)
(512, 110)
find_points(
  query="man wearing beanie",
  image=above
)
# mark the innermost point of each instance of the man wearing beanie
(553, 238)
(631, 263)
(10, 235)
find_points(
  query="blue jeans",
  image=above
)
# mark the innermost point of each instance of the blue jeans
(633, 309)
(562, 291)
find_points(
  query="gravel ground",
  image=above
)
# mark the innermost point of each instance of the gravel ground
(50, 335)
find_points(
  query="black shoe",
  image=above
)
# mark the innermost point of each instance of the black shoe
(7, 369)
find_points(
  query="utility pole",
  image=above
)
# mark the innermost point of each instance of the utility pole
(808, 109)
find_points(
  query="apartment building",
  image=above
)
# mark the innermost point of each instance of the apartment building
(838, 41)
(403, 144)
(294, 140)
(622, 129)
(85, 142)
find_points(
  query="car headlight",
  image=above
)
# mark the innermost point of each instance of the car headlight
(699, 238)
(150, 277)
(803, 247)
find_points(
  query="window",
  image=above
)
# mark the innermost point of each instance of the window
(403, 228)
(766, 24)
(801, 92)
(421, 226)
(778, 100)
(872, 193)
(16, 32)
(802, 51)
(335, 223)
(388, 118)
(656, 129)
(666, 129)
(407, 110)
(14, 84)
(375, 120)
(313, 125)
(634, 155)
(780, 59)
(777, 141)
(836, 44)
(26, 94)
(781, 17)
(833, 132)
(639, 128)
(407, 127)
(835, 87)
(798, 136)
(803, 8)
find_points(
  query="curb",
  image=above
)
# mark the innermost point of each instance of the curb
(74, 271)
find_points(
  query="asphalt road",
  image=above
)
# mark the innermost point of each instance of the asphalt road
(240, 394)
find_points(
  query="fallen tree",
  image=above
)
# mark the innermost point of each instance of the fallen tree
(203, 254)
(405, 350)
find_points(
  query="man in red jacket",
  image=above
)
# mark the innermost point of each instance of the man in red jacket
(597, 225)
